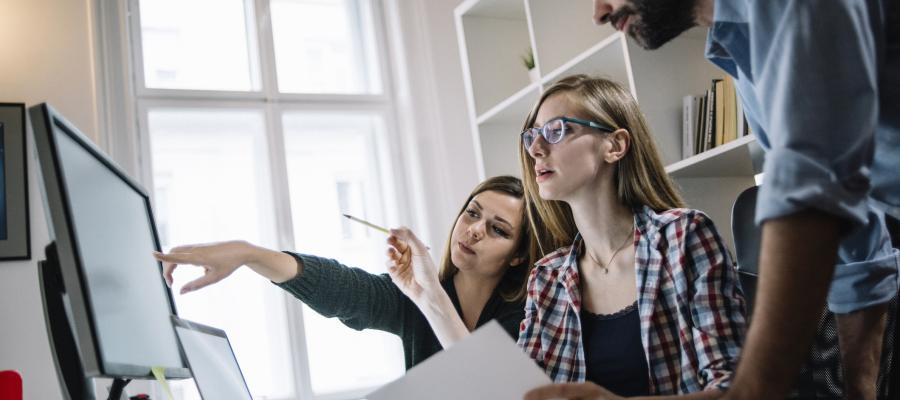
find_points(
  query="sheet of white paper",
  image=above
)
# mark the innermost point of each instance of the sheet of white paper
(486, 365)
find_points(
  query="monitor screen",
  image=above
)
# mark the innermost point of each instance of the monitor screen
(212, 362)
(105, 235)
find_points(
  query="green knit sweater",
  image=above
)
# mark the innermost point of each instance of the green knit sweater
(366, 301)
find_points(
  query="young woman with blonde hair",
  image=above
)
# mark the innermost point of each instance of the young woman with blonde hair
(638, 295)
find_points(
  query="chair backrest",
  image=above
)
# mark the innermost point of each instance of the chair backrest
(746, 243)
(745, 232)
(821, 375)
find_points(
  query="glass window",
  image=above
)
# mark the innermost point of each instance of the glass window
(325, 46)
(212, 160)
(324, 152)
(199, 44)
(214, 185)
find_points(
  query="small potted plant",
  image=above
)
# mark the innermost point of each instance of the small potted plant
(528, 62)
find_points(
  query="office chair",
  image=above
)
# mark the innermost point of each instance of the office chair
(821, 375)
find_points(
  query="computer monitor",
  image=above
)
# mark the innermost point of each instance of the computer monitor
(212, 361)
(114, 300)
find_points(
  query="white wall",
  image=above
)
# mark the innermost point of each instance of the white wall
(45, 55)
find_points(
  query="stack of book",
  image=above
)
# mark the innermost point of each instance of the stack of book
(712, 119)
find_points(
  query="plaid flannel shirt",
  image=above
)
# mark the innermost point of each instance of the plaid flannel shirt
(689, 299)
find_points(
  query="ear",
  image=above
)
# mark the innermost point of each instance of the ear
(621, 143)
(516, 261)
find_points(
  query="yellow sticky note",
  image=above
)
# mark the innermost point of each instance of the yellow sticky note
(160, 374)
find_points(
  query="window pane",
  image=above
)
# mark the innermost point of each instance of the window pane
(325, 46)
(211, 184)
(334, 157)
(199, 44)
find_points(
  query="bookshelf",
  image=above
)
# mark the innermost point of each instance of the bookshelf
(494, 34)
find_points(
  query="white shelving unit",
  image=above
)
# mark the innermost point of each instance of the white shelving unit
(494, 34)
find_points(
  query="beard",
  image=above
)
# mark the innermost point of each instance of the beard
(658, 21)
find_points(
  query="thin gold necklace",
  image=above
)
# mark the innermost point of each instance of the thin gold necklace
(606, 266)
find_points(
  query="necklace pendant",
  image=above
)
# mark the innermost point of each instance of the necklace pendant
(606, 271)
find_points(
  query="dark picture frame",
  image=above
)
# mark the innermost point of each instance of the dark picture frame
(15, 232)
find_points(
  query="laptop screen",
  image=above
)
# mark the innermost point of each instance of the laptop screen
(212, 362)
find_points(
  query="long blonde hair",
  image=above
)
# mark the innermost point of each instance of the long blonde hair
(640, 177)
(512, 285)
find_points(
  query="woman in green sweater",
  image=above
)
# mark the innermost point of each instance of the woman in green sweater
(484, 270)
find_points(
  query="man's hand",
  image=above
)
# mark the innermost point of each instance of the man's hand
(571, 391)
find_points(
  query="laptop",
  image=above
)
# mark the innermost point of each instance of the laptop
(211, 360)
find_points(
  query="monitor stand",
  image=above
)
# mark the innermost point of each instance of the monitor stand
(75, 384)
(118, 385)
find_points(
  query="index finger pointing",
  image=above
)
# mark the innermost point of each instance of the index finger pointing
(177, 258)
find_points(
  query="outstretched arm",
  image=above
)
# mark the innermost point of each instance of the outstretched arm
(219, 260)
(361, 300)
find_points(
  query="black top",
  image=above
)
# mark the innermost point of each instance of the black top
(613, 352)
(362, 300)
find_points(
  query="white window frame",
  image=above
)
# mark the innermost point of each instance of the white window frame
(124, 102)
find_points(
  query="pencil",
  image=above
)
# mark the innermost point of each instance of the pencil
(373, 226)
(367, 223)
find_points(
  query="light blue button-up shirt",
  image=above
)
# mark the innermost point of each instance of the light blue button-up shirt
(820, 84)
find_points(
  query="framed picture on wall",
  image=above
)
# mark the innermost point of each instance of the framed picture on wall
(15, 235)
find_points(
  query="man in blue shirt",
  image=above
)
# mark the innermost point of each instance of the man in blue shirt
(820, 85)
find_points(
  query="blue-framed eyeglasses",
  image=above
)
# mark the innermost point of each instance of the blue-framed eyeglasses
(556, 129)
